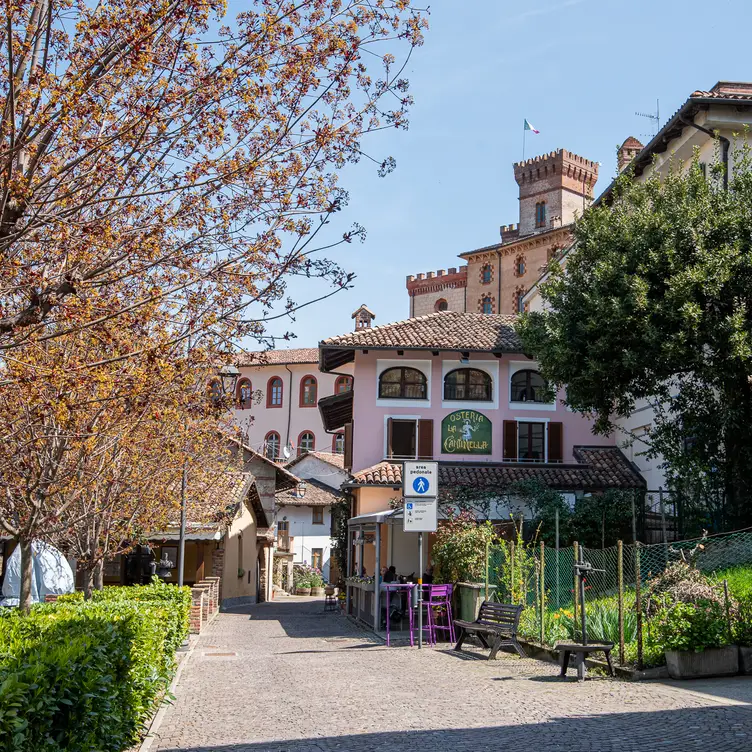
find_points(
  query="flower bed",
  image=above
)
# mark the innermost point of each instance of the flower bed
(87, 675)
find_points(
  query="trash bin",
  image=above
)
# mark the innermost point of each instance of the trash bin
(471, 595)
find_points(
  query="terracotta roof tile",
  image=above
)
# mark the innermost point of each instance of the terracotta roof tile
(317, 494)
(597, 468)
(279, 357)
(446, 330)
(726, 90)
(337, 460)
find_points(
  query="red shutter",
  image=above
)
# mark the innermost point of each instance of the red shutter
(389, 437)
(425, 439)
(555, 442)
(348, 446)
(510, 440)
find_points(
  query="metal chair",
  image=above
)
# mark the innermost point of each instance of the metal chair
(438, 602)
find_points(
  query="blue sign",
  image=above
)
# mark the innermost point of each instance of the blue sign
(421, 485)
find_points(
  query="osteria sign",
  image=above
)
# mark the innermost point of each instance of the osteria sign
(466, 432)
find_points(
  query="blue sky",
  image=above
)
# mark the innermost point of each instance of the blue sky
(576, 69)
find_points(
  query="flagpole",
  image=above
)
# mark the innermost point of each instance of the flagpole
(524, 132)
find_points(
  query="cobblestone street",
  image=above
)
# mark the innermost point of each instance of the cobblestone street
(286, 677)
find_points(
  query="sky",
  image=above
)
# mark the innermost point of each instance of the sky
(578, 70)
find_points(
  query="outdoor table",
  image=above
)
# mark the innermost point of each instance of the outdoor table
(397, 587)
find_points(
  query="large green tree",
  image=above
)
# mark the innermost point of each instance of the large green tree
(654, 304)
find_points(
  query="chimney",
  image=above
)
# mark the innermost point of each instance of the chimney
(363, 317)
(627, 152)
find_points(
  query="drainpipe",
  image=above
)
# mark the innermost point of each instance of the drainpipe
(289, 407)
(725, 146)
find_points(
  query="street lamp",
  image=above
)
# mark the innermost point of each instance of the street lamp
(300, 491)
(228, 376)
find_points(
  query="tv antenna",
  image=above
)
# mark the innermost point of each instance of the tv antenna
(654, 117)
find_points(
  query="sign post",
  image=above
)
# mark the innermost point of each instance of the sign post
(420, 489)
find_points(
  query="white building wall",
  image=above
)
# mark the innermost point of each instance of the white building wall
(307, 536)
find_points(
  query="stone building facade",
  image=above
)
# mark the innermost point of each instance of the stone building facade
(554, 189)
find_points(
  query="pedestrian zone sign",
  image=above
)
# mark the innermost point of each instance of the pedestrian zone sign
(420, 479)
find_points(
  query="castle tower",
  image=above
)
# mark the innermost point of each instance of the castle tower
(554, 189)
(363, 317)
(627, 152)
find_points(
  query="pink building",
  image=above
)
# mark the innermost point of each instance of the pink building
(457, 388)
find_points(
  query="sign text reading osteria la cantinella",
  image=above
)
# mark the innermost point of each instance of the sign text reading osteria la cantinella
(466, 432)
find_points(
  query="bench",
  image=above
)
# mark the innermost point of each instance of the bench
(581, 653)
(499, 621)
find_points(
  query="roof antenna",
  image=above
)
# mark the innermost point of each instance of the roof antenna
(656, 118)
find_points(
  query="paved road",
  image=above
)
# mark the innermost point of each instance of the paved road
(285, 677)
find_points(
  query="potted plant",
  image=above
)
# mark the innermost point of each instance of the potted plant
(695, 639)
(317, 583)
(302, 580)
(743, 633)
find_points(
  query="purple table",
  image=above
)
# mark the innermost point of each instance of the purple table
(397, 587)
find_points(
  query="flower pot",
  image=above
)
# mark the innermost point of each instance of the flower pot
(686, 664)
(745, 660)
(471, 595)
(317, 591)
(303, 591)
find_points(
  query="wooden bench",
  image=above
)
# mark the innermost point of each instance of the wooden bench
(499, 621)
(581, 653)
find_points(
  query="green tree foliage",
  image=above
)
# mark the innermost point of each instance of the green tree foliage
(655, 304)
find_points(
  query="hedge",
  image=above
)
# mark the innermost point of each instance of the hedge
(84, 676)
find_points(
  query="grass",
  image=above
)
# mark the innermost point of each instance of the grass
(739, 580)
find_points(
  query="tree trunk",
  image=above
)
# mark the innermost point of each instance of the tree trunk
(24, 602)
(88, 583)
(99, 575)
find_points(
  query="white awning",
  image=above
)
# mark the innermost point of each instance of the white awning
(376, 518)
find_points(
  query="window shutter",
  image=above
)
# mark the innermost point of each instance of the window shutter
(510, 440)
(389, 451)
(425, 439)
(555, 442)
(348, 446)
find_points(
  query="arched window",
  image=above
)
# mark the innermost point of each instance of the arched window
(343, 384)
(306, 442)
(244, 394)
(520, 266)
(528, 386)
(308, 391)
(468, 384)
(486, 304)
(540, 214)
(274, 392)
(403, 383)
(272, 445)
(338, 443)
(441, 305)
(486, 274)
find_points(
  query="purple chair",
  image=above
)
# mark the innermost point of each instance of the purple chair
(438, 602)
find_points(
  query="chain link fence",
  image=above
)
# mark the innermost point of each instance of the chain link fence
(542, 578)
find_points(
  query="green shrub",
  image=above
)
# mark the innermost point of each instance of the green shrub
(743, 626)
(459, 551)
(84, 676)
(690, 626)
(739, 580)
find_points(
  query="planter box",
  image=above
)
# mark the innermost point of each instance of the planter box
(713, 662)
(471, 595)
(317, 591)
(302, 591)
(745, 660)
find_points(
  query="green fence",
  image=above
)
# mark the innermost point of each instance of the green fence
(543, 580)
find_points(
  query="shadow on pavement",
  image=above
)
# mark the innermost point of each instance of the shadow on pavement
(727, 728)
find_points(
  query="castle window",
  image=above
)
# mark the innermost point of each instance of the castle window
(540, 214)
(520, 266)
(486, 304)
(441, 305)
(486, 274)
(520, 302)
(403, 383)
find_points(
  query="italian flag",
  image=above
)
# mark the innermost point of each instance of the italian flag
(529, 127)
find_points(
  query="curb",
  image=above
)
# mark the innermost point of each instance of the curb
(156, 721)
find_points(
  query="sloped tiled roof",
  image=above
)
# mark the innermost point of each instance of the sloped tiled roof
(445, 330)
(317, 494)
(279, 357)
(337, 460)
(726, 90)
(597, 468)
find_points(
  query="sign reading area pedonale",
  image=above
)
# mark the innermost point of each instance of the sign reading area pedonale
(466, 432)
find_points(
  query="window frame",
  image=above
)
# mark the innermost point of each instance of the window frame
(309, 377)
(403, 384)
(527, 371)
(300, 451)
(486, 299)
(270, 403)
(266, 445)
(317, 511)
(540, 214)
(486, 271)
(321, 560)
(242, 404)
(340, 435)
(544, 438)
(437, 307)
(488, 384)
(339, 381)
